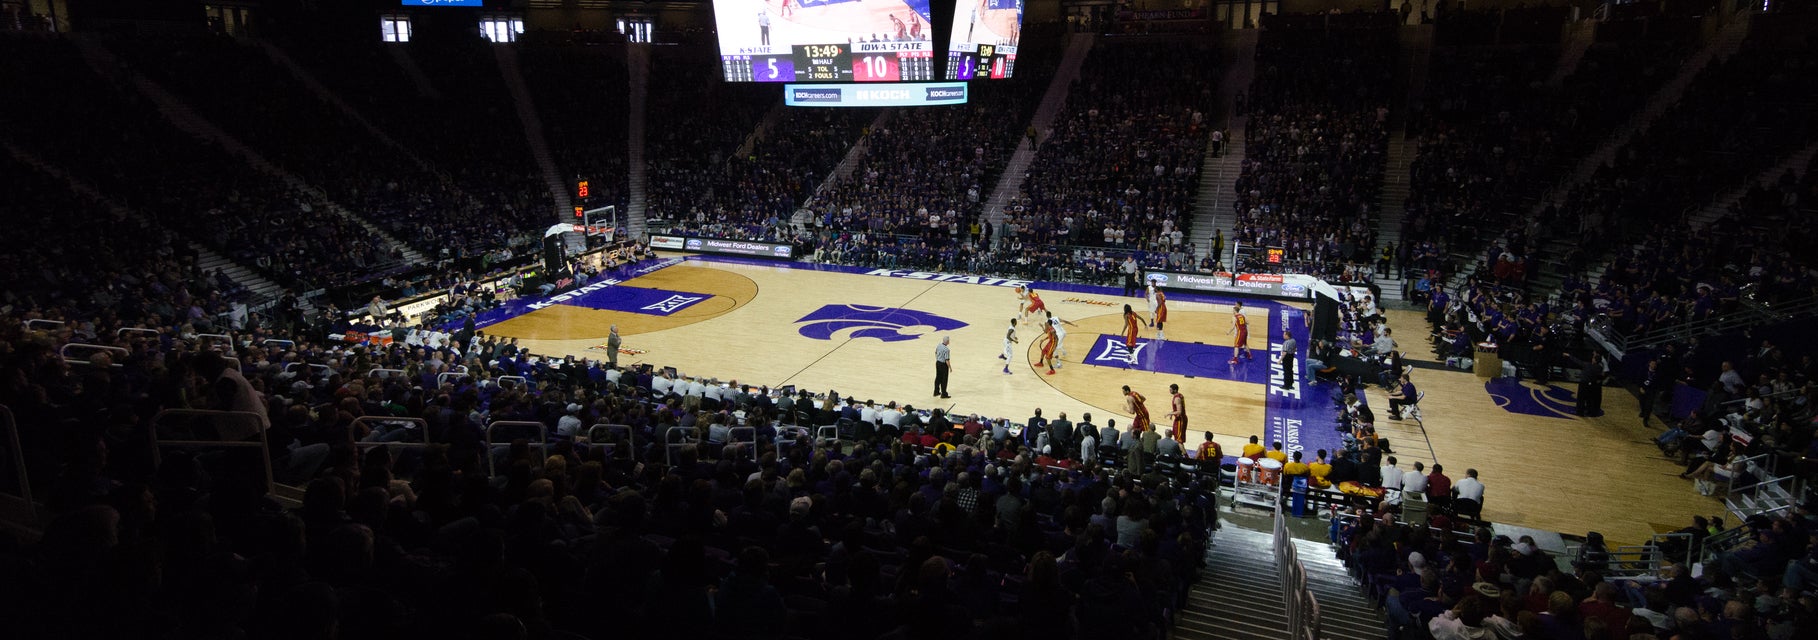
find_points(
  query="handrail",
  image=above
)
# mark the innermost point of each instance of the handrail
(292, 343)
(1691, 552)
(631, 435)
(63, 351)
(442, 378)
(670, 444)
(542, 442)
(29, 324)
(522, 381)
(313, 367)
(10, 436)
(217, 336)
(1772, 396)
(820, 433)
(125, 330)
(388, 372)
(258, 426)
(732, 441)
(421, 425)
(1302, 606)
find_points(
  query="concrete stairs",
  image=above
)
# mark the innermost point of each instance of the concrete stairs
(1397, 179)
(560, 192)
(1079, 45)
(637, 195)
(854, 156)
(1413, 55)
(1344, 612)
(1240, 597)
(1720, 46)
(400, 53)
(207, 261)
(1579, 36)
(1212, 212)
(185, 118)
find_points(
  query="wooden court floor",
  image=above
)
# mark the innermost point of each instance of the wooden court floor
(755, 326)
(1570, 475)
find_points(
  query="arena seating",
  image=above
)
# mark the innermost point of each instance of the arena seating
(1122, 164)
(756, 196)
(580, 94)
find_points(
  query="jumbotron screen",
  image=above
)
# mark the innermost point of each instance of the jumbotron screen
(985, 35)
(825, 40)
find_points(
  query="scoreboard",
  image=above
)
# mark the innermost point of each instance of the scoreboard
(985, 34)
(825, 41)
(841, 62)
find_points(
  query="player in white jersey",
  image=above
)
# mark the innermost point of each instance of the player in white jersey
(1060, 332)
(1009, 339)
(1022, 301)
(1150, 295)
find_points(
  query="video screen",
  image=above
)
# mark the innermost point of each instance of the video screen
(825, 40)
(984, 41)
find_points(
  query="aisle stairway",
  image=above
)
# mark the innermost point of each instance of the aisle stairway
(1079, 45)
(400, 53)
(1240, 597)
(762, 129)
(1396, 185)
(1218, 176)
(1579, 38)
(187, 119)
(553, 181)
(854, 155)
(637, 65)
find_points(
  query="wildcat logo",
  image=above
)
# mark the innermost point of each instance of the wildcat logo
(624, 351)
(859, 321)
(1515, 397)
(1099, 303)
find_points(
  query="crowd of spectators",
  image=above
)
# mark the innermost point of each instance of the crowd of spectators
(1317, 137)
(692, 154)
(1121, 165)
(104, 135)
(580, 91)
(918, 524)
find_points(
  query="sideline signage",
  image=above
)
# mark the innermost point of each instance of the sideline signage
(1268, 285)
(722, 246)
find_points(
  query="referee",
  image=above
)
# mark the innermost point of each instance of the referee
(1289, 347)
(943, 358)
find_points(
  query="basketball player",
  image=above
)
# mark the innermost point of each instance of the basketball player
(1131, 324)
(1009, 339)
(1135, 403)
(1036, 305)
(1060, 332)
(1179, 414)
(1240, 326)
(1022, 301)
(1048, 340)
(1149, 296)
(788, 8)
(1158, 309)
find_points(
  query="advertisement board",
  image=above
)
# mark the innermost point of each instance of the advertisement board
(672, 243)
(723, 246)
(1269, 285)
(906, 94)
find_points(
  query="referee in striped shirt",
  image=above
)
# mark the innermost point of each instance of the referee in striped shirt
(943, 358)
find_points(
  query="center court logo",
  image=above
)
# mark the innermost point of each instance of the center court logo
(1111, 349)
(1515, 397)
(860, 321)
(673, 304)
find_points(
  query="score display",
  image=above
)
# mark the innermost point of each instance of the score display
(985, 37)
(824, 40)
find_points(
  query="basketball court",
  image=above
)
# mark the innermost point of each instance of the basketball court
(871, 334)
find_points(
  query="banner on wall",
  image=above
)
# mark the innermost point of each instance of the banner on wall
(1269, 285)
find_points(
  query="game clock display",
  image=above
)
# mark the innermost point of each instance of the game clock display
(823, 41)
(859, 62)
(986, 34)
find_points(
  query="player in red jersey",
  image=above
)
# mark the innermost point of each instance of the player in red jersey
(1161, 314)
(1048, 342)
(1240, 326)
(1179, 414)
(1035, 303)
(1131, 324)
(1137, 405)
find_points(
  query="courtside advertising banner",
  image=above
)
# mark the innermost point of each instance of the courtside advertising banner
(729, 247)
(1270, 285)
(672, 243)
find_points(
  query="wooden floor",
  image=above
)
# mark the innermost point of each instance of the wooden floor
(1550, 473)
(1569, 475)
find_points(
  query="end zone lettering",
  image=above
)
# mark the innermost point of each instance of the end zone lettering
(947, 277)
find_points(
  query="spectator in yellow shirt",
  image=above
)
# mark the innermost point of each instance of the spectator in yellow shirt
(1318, 472)
(1275, 453)
(1253, 450)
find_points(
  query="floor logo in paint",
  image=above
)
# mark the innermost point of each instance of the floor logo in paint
(860, 321)
(1515, 397)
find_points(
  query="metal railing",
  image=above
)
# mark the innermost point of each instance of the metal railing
(158, 441)
(541, 443)
(64, 351)
(421, 426)
(672, 443)
(388, 372)
(33, 323)
(121, 333)
(1748, 314)
(1666, 541)
(1724, 541)
(733, 443)
(522, 382)
(601, 435)
(1302, 607)
(9, 436)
